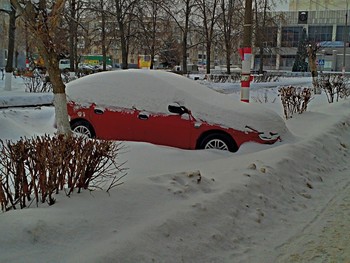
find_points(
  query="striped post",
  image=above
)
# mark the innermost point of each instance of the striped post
(27, 64)
(246, 55)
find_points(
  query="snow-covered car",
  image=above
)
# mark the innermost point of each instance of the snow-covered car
(167, 109)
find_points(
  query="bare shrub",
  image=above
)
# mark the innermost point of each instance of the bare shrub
(37, 83)
(294, 99)
(222, 78)
(266, 78)
(335, 86)
(34, 170)
(263, 97)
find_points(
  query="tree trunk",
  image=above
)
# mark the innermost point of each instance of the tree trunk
(72, 35)
(208, 50)
(11, 49)
(228, 60)
(184, 53)
(313, 68)
(261, 55)
(60, 101)
(124, 53)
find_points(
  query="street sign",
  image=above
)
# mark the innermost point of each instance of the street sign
(320, 62)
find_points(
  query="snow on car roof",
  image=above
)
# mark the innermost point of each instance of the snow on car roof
(153, 91)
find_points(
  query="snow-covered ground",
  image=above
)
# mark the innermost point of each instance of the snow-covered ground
(287, 202)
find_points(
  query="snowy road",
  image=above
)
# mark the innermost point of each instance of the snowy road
(326, 237)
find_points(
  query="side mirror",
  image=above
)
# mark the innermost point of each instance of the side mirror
(177, 109)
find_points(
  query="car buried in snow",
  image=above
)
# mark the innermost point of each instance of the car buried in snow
(168, 109)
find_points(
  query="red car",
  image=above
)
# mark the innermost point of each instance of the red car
(166, 109)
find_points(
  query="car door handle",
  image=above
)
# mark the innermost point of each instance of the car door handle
(98, 111)
(143, 117)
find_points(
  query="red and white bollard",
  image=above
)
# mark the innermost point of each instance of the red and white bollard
(27, 64)
(246, 55)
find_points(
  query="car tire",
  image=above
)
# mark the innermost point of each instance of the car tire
(218, 141)
(84, 128)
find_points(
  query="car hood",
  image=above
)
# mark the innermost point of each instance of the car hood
(153, 91)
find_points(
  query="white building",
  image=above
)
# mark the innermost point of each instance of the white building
(326, 22)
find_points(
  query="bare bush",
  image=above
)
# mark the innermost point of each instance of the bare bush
(34, 170)
(222, 78)
(294, 99)
(335, 86)
(37, 83)
(265, 78)
(262, 96)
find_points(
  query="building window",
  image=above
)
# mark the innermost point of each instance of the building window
(269, 61)
(269, 36)
(287, 61)
(320, 33)
(340, 34)
(291, 36)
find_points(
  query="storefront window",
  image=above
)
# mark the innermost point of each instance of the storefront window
(340, 34)
(291, 36)
(320, 33)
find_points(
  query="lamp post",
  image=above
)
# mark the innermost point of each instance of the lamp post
(345, 38)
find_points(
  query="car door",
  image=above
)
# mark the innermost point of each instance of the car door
(164, 129)
(114, 123)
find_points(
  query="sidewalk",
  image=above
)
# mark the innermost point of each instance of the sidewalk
(17, 97)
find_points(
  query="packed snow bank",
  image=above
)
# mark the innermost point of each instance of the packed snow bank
(250, 206)
(237, 208)
(8, 99)
(23, 122)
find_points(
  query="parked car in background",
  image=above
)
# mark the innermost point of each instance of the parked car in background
(64, 64)
(167, 109)
(100, 67)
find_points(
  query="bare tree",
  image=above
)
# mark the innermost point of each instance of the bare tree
(181, 12)
(170, 52)
(73, 27)
(312, 49)
(209, 16)
(265, 30)
(43, 18)
(124, 14)
(101, 11)
(229, 25)
(149, 19)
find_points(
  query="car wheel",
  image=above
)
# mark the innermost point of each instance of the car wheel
(84, 128)
(218, 141)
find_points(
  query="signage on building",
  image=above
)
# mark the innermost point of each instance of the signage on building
(320, 62)
(302, 17)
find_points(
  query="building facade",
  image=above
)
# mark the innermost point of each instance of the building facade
(319, 5)
(3, 34)
(326, 23)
